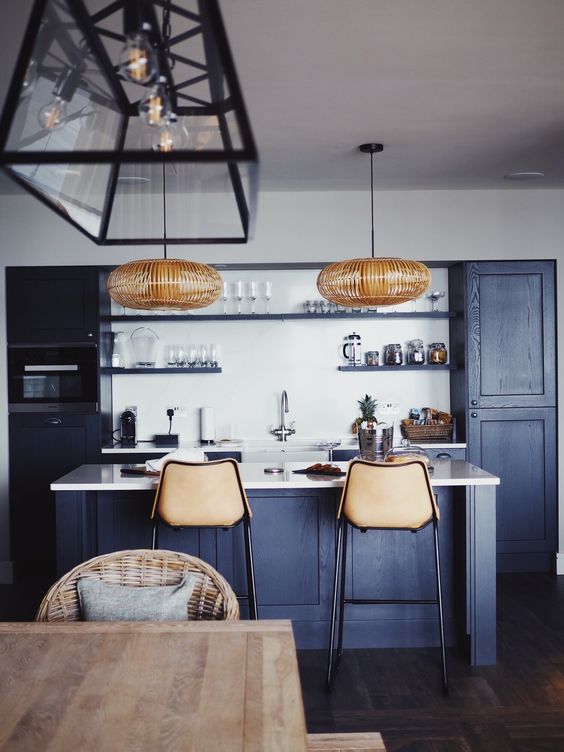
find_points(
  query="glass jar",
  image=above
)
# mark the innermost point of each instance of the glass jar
(415, 352)
(393, 355)
(371, 357)
(437, 353)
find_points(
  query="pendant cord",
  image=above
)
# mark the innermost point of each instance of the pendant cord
(372, 197)
(164, 210)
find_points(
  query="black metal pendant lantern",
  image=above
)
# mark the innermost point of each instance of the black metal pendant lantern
(110, 107)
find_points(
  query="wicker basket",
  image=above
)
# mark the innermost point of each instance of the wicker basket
(419, 434)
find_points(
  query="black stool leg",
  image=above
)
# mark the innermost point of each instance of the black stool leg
(340, 524)
(251, 589)
(342, 595)
(155, 540)
(440, 604)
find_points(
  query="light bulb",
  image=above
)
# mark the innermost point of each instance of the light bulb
(29, 79)
(154, 108)
(138, 62)
(53, 115)
(168, 137)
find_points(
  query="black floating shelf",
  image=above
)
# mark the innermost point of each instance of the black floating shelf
(284, 316)
(375, 369)
(150, 371)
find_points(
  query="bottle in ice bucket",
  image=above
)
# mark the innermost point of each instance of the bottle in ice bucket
(375, 439)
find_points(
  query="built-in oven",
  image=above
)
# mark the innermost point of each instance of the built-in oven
(45, 378)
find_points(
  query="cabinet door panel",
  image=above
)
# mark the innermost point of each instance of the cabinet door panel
(511, 344)
(40, 452)
(518, 446)
(52, 304)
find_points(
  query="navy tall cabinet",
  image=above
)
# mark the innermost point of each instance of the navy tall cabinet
(59, 306)
(505, 396)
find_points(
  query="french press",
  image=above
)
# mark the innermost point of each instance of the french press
(352, 349)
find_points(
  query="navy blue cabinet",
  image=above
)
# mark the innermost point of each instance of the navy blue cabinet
(43, 447)
(52, 304)
(506, 397)
(294, 552)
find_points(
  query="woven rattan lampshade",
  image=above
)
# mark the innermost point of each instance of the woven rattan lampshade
(164, 284)
(373, 281)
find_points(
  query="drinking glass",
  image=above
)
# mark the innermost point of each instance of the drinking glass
(213, 357)
(203, 356)
(329, 445)
(172, 356)
(225, 296)
(180, 355)
(240, 287)
(252, 294)
(434, 297)
(191, 355)
(267, 293)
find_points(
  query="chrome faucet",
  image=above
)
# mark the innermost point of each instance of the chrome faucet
(282, 432)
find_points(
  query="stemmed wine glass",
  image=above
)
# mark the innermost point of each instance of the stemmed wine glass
(240, 294)
(267, 293)
(225, 296)
(435, 297)
(329, 444)
(252, 294)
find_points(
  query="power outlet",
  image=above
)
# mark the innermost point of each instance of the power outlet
(180, 411)
(389, 408)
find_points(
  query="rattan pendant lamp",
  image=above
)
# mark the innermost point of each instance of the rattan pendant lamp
(373, 281)
(164, 284)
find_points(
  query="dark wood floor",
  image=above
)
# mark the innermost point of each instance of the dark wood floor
(517, 705)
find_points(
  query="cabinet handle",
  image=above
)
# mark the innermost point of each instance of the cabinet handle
(474, 402)
(473, 415)
(444, 456)
(53, 421)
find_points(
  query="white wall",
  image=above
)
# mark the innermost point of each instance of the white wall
(432, 225)
(261, 358)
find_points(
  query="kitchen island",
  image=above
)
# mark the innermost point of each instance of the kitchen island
(100, 510)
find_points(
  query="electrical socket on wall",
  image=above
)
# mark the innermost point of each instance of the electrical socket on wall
(388, 408)
(180, 411)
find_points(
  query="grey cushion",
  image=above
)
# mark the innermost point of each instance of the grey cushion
(102, 601)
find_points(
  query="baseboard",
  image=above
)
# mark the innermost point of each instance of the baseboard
(6, 573)
(529, 561)
(559, 563)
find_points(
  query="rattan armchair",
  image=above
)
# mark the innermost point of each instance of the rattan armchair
(212, 597)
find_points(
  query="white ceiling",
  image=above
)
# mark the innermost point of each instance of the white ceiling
(460, 92)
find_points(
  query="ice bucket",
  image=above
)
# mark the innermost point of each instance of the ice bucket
(375, 442)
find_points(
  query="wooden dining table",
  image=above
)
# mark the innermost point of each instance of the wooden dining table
(210, 685)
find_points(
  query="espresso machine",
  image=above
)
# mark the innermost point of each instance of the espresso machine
(127, 427)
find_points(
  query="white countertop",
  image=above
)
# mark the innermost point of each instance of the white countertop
(109, 478)
(249, 445)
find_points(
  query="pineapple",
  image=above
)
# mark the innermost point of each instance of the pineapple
(368, 407)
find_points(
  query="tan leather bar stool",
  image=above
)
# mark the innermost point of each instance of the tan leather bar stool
(205, 494)
(383, 496)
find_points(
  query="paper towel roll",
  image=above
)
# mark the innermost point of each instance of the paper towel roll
(207, 425)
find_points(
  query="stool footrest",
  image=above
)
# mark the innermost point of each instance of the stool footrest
(374, 601)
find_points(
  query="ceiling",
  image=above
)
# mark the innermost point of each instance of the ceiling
(460, 92)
